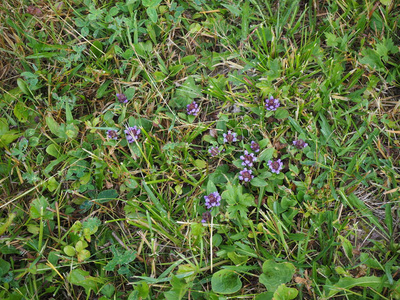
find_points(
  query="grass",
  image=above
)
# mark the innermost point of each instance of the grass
(87, 216)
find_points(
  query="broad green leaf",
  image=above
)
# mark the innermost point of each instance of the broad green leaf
(108, 290)
(152, 13)
(281, 113)
(274, 274)
(258, 182)
(90, 227)
(24, 87)
(151, 3)
(4, 267)
(38, 209)
(179, 289)
(266, 154)
(83, 255)
(226, 282)
(285, 293)
(82, 278)
(21, 112)
(53, 150)
(3, 126)
(54, 127)
(69, 250)
(107, 195)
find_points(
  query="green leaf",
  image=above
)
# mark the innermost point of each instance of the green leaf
(83, 255)
(265, 296)
(69, 250)
(38, 209)
(21, 112)
(108, 290)
(3, 126)
(274, 274)
(90, 227)
(53, 150)
(238, 202)
(120, 259)
(385, 2)
(281, 113)
(226, 282)
(4, 267)
(179, 289)
(258, 182)
(285, 293)
(151, 3)
(266, 154)
(152, 13)
(106, 196)
(82, 278)
(347, 283)
(54, 127)
(331, 39)
(24, 87)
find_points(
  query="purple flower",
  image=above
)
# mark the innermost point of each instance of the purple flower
(112, 134)
(248, 159)
(272, 103)
(132, 134)
(255, 146)
(206, 217)
(230, 137)
(193, 108)
(246, 175)
(300, 144)
(275, 166)
(122, 98)
(214, 151)
(212, 200)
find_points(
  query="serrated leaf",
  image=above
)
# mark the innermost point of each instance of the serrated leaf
(331, 39)
(120, 259)
(226, 282)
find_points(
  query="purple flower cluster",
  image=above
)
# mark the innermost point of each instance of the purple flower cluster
(255, 146)
(193, 108)
(132, 134)
(246, 175)
(122, 98)
(272, 103)
(230, 137)
(112, 134)
(275, 166)
(248, 159)
(300, 144)
(214, 151)
(206, 217)
(212, 200)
